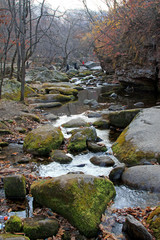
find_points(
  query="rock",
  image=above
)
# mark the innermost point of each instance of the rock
(15, 186)
(102, 124)
(60, 156)
(14, 224)
(51, 117)
(8, 236)
(46, 105)
(31, 116)
(141, 139)
(91, 102)
(143, 177)
(94, 147)
(79, 138)
(122, 119)
(42, 140)
(20, 129)
(116, 172)
(135, 230)
(78, 122)
(40, 227)
(4, 144)
(139, 104)
(116, 107)
(114, 95)
(91, 64)
(94, 115)
(102, 161)
(154, 222)
(79, 198)
(61, 90)
(51, 98)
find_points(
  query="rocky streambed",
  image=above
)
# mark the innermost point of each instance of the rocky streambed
(91, 156)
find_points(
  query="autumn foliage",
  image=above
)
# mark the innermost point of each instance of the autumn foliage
(127, 30)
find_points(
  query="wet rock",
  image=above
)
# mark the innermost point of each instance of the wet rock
(14, 224)
(60, 156)
(101, 124)
(46, 105)
(15, 186)
(139, 104)
(40, 227)
(91, 102)
(154, 222)
(102, 161)
(24, 160)
(122, 118)
(79, 198)
(143, 177)
(114, 95)
(78, 122)
(94, 115)
(61, 90)
(42, 140)
(116, 107)
(141, 139)
(116, 172)
(135, 230)
(94, 147)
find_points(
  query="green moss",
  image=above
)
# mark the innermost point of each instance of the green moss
(81, 201)
(15, 186)
(127, 152)
(40, 229)
(14, 224)
(77, 143)
(9, 236)
(85, 73)
(40, 142)
(62, 90)
(102, 124)
(4, 144)
(154, 222)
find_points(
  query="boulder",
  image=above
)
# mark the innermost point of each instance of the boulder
(78, 122)
(101, 124)
(15, 186)
(102, 161)
(154, 222)
(40, 227)
(122, 119)
(14, 224)
(79, 198)
(46, 105)
(42, 140)
(116, 173)
(94, 147)
(79, 138)
(51, 117)
(135, 230)
(61, 90)
(143, 177)
(60, 156)
(31, 116)
(141, 139)
(116, 108)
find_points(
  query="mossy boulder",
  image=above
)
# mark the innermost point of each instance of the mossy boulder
(15, 186)
(141, 139)
(8, 236)
(79, 138)
(101, 124)
(94, 147)
(154, 222)
(79, 198)
(31, 116)
(42, 140)
(122, 118)
(60, 156)
(14, 224)
(61, 90)
(46, 105)
(4, 129)
(102, 161)
(40, 227)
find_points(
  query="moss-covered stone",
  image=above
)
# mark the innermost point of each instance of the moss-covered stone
(4, 144)
(62, 90)
(14, 224)
(94, 147)
(8, 236)
(43, 140)
(31, 116)
(15, 186)
(101, 124)
(80, 198)
(79, 138)
(154, 222)
(122, 118)
(40, 228)
(85, 73)
(74, 123)
(60, 156)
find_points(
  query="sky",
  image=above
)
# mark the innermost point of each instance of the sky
(73, 4)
